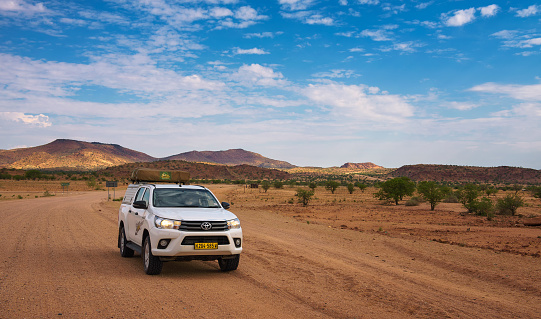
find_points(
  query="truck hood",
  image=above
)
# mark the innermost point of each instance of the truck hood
(194, 214)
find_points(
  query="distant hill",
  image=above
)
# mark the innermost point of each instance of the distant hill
(200, 170)
(77, 155)
(70, 155)
(231, 157)
(367, 165)
(453, 173)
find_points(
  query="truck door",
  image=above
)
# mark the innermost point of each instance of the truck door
(136, 217)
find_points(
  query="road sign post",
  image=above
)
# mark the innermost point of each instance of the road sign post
(112, 184)
(66, 185)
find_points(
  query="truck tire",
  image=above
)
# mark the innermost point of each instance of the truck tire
(122, 241)
(229, 264)
(153, 265)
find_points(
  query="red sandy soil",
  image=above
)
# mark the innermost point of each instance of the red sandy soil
(349, 258)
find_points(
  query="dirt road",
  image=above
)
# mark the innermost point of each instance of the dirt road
(58, 258)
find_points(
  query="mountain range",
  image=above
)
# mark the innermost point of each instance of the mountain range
(65, 154)
(77, 155)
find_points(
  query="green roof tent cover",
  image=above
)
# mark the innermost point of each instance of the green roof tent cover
(159, 175)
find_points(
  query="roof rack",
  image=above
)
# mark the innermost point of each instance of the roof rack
(157, 175)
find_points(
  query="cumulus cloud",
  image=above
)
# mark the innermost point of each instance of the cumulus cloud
(21, 6)
(490, 10)
(256, 74)
(359, 101)
(459, 17)
(39, 120)
(530, 11)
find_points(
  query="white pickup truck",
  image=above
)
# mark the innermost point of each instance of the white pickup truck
(176, 222)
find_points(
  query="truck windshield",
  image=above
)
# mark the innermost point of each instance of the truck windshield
(178, 197)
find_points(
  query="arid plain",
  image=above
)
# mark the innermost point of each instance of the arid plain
(343, 256)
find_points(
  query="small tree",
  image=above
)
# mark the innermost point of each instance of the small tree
(432, 192)
(396, 189)
(278, 184)
(313, 186)
(332, 186)
(467, 195)
(509, 204)
(304, 196)
(265, 185)
(361, 186)
(351, 188)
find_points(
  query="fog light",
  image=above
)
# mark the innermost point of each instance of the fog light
(162, 244)
(238, 242)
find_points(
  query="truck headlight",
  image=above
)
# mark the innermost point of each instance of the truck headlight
(165, 223)
(233, 224)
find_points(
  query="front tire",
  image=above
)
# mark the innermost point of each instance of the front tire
(153, 265)
(122, 241)
(229, 264)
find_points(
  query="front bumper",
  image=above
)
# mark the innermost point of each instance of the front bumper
(182, 243)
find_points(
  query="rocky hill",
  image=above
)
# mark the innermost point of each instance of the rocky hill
(70, 154)
(200, 170)
(231, 157)
(366, 165)
(64, 154)
(453, 173)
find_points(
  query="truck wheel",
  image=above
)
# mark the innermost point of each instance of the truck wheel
(153, 265)
(229, 264)
(124, 251)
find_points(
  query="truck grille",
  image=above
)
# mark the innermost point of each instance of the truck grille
(190, 240)
(196, 225)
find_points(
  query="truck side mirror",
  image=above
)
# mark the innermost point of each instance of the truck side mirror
(225, 205)
(140, 204)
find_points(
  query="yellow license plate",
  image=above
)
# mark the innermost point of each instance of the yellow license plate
(206, 245)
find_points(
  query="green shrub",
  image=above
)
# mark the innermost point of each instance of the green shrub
(304, 196)
(482, 207)
(509, 204)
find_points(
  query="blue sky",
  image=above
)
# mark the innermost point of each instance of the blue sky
(314, 83)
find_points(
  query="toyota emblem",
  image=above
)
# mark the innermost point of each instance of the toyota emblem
(206, 226)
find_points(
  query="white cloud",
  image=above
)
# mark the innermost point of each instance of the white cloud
(247, 13)
(462, 106)
(505, 34)
(319, 19)
(336, 74)
(424, 5)
(39, 120)
(294, 5)
(490, 10)
(377, 35)
(519, 92)
(530, 11)
(372, 2)
(459, 17)
(263, 35)
(220, 12)
(134, 74)
(21, 6)
(256, 74)
(250, 51)
(360, 102)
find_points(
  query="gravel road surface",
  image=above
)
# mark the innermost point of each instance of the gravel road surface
(59, 259)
